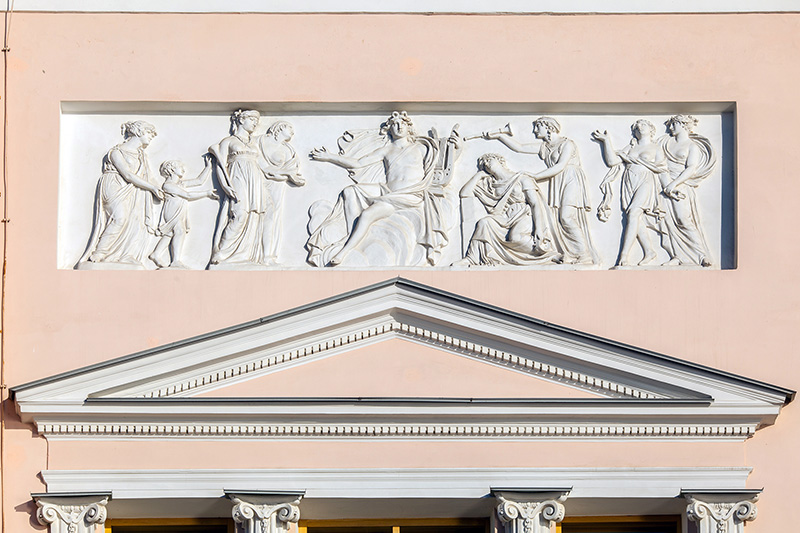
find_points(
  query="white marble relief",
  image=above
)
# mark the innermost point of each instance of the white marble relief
(126, 200)
(283, 171)
(639, 165)
(657, 191)
(398, 211)
(393, 192)
(174, 224)
(690, 160)
(249, 220)
(567, 188)
(516, 227)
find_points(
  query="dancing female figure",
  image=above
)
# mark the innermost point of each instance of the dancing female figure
(639, 164)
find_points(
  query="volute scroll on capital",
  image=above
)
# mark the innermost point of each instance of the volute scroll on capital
(721, 511)
(71, 512)
(530, 510)
(263, 511)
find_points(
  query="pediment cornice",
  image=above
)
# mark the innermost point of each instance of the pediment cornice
(637, 393)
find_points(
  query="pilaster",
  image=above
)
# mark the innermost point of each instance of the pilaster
(530, 510)
(71, 512)
(721, 511)
(265, 512)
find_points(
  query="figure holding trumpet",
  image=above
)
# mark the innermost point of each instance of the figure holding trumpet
(567, 196)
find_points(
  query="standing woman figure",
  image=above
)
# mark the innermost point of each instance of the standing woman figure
(567, 196)
(283, 168)
(240, 229)
(124, 212)
(690, 159)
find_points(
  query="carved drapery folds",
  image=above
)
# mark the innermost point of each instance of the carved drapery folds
(530, 510)
(404, 194)
(721, 512)
(71, 513)
(265, 512)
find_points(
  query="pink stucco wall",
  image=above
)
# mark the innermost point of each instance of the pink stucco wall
(742, 321)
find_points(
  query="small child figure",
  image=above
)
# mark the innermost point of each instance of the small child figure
(174, 224)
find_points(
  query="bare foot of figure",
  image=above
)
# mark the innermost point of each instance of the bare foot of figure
(672, 262)
(178, 265)
(541, 247)
(155, 259)
(648, 259)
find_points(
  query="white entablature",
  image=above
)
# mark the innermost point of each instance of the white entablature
(581, 386)
(509, 7)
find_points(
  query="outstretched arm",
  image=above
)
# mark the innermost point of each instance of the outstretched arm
(350, 163)
(177, 190)
(203, 177)
(522, 148)
(609, 155)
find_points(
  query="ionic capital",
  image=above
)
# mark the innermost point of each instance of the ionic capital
(265, 512)
(71, 513)
(721, 511)
(530, 510)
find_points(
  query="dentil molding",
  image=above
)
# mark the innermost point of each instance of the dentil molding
(636, 394)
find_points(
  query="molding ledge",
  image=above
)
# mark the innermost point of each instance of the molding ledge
(392, 430)
(437, 483)
(635, 393)
(511, 7)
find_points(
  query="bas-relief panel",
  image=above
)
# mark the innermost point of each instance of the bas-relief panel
(256, 189)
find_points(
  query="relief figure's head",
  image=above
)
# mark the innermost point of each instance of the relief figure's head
(492, 163)
(545, 127)
(281, 131)
(172, 169)
(680, 122)
(642, 129)
(144, 131)
(247, 119)
(398, 125)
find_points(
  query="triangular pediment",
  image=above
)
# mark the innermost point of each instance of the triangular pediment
(399, 368)
(411, 360)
